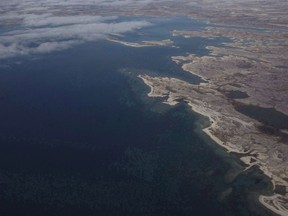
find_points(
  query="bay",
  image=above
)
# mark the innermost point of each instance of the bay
(78, 136)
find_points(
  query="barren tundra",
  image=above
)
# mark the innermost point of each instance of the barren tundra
(249, 70)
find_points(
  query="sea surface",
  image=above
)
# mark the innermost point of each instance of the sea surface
(79, 136)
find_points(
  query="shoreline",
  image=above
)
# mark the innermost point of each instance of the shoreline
(166, 42)
(274, 205)
(214, 120)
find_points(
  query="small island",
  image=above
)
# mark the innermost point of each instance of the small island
(166, 42)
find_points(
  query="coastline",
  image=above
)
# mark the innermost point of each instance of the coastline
(272, 203)
(156, 90)
(234, 48)
(234, 66)
(166, 42)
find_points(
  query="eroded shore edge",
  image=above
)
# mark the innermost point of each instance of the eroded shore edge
(275, 202)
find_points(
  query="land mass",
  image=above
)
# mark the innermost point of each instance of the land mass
(166, 42)
(249, 69)
(253, 63)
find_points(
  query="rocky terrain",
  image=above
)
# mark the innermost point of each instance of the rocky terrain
(249, 69)
(253, 65)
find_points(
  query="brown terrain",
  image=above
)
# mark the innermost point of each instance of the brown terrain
(249, 70)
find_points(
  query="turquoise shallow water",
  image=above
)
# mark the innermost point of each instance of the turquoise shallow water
(80, 137)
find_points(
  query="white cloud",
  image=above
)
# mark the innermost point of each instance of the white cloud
(42, 31)
(47, 19)
(17, 49)
(86, 32)
(46, 3)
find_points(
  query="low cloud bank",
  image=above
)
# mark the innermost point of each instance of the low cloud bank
(44, 31)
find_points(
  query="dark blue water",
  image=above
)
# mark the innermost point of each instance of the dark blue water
(79, 137)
